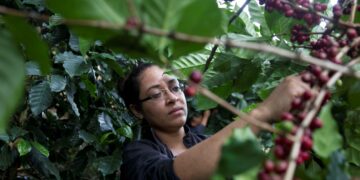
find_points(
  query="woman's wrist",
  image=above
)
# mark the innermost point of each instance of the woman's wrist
(261, 113)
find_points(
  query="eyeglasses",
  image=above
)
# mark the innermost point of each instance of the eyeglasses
(176, 90)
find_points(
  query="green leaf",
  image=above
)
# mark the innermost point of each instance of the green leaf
(23, 146)
(87, 137)
(105, 122)
(70, 94)
(32, 69)
(352, 129)
(40, 148)
(40, 97)
(242, 25)
(16, 132)
(110, 61)
(279, 24)
(354, 95)
(74, 65)
(34, 47)
(7, 157)
(186, 64)
(353, 156)
(42, 164)
(324, 147)
(192, 22)
(257, 15)
(110, 11)
(243, 147)
(109, 164)
(336, 167)
(204, 103)
(12, 77)
(185, 16)
(126, 131)
(57, 83)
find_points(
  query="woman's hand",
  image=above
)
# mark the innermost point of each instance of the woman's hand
(280, 99)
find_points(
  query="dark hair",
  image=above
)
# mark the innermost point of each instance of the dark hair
(130, 89)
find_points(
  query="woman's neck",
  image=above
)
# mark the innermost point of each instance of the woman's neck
(173, 140)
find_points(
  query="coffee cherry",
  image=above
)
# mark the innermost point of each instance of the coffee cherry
(269, 166)
(316, 123)
(301, 116)
(287, 116)
(280, 152)
(190, 91)
(307, 95)
(264, 176)
(307, 77)
(305, 155)
(323, 78)
(306, 143)
(296, 104)
(316, 70)
(281, 167)
(351, 33)
(196, 77)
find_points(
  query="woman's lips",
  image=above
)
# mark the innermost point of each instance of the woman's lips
(176, 111)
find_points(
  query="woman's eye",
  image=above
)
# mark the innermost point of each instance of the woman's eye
(156, 95)
(175, 89)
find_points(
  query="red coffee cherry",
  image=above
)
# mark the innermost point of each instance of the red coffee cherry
(196, 77)
(281, 167)
(306, 143)
(296, 104)
(351, 33)
(287, 116)
(280, 152)
(269, 166)
(316, 123)
(190, 91)
(307, 95)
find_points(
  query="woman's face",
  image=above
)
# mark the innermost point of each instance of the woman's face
(164, 104)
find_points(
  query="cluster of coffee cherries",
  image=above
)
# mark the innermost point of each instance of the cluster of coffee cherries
(275, 169)
(289, 11)
(299, 34)
(195, 78)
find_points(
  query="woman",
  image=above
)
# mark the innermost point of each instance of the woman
(170, 150)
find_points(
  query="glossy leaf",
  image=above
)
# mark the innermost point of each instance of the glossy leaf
(109, 164)
(34, 47)
(32, 69)
(70, 94)
(324, 147)
(87, 137)
(183, 16)
(40, 148)
(42, 164)
(57, 83)
(336, 167)
(12, 77)
(23, 146)
(354, 95)
(125, 131)
(7, 157)
(186, 64)
(111, 11)
(242, 146)
(352, 129)
(353, 156)
(40, 97)
(74, 65)
(192, 22)
(257, 15)
(105, 122)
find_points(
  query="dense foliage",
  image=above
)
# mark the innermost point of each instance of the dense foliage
(61, 115)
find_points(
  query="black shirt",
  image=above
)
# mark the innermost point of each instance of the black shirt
(149, 158)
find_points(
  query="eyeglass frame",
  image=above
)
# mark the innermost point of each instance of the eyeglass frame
(181, 88)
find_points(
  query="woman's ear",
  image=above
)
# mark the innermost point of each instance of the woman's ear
(135, 110)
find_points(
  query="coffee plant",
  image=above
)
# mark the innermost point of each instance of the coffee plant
(62, 62)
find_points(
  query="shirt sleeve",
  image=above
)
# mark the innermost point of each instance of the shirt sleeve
(145, 160)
